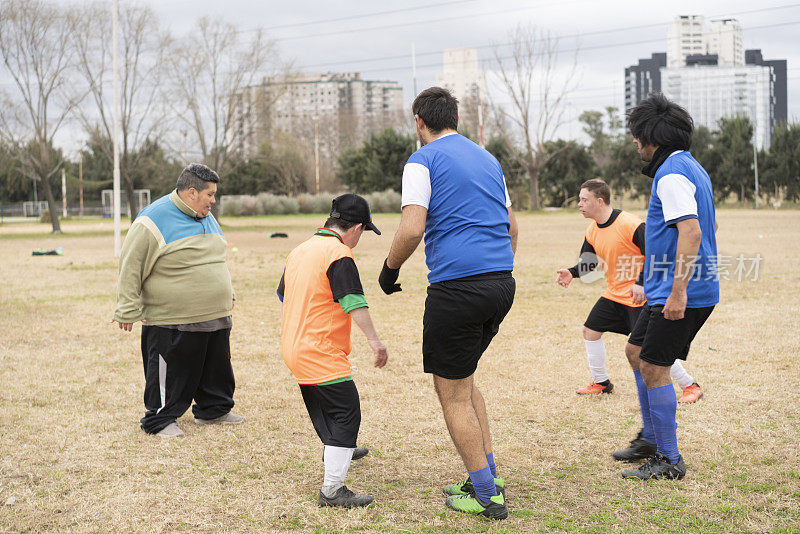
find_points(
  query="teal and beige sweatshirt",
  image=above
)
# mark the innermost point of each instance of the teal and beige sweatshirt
(172, 268)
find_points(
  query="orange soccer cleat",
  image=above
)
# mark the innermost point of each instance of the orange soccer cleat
(593, 388)
(691, 393)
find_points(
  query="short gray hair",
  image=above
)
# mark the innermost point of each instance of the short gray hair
(196, 175)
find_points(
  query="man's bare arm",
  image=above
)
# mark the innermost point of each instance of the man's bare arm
(364, 321)
(689, 236)
(408, 236)
(513, 230)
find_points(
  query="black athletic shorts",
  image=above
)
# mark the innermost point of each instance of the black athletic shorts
(461, 318)
(664, 341)
(610, 316)
(335, 412)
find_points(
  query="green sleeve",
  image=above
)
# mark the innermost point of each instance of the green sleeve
(139, 254)
(352, 301)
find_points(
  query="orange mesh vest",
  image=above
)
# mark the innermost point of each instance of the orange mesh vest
(622, 259)
(315, 332)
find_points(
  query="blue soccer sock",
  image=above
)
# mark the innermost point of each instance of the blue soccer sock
(483, 482)
(663, 406)
(490, 459)
(648, 433)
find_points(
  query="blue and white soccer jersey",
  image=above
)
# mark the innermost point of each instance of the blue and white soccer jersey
(681, 190)
(463, 188)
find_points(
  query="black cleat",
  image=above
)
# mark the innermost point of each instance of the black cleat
(345, 499)
(360, 452)
(657, 467)
(639, 449)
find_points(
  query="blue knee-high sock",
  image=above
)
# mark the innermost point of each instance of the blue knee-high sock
(644, 405)
(663, 405)
(490, 459)
(483, 482)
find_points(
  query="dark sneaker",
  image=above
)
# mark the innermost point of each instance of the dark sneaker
(360, 452)
(344, 498)
(466, 487)
(639, 449)
(657, 467)
(468, 504)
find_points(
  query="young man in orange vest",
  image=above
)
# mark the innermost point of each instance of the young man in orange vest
(616, 238)
(321, 294)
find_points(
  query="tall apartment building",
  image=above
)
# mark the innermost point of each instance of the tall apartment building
(712, 76)
(347, 107)
(464, 78)
(461, 74)
(685, 37)
(644, 78)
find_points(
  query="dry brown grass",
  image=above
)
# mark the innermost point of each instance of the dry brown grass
(73, 458)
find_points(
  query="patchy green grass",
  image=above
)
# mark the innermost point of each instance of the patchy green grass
(74, 459)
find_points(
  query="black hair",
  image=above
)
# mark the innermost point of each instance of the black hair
(334, 222)
(196, 175)
(599, 189)
(658, 121)
(437, 108)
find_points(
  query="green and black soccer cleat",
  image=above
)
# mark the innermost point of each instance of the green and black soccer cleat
(469, 504)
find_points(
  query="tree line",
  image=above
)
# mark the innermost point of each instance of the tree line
(174, 93)
(726, 153)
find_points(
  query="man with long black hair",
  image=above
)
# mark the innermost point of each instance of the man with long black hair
(680, 278)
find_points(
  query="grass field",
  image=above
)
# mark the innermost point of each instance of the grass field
(73, 459)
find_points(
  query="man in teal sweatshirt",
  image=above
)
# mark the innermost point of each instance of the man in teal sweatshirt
(173, 277)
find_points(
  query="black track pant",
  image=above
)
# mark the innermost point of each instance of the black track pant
(181, 366)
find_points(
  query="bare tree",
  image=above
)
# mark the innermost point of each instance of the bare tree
(208, 68)
(142, 52)
(538, 90)
(33, 44)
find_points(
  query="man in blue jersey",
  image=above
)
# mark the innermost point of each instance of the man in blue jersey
(454, 194)
(680, 278)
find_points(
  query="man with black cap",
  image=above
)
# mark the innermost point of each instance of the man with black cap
(321, 293)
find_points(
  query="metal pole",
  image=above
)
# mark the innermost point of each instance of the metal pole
(115, 114)
(80, 180)
(414, 75)
(755, 167)
(316, 151)
(480, 118)
(63, 193)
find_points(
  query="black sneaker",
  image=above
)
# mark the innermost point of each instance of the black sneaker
(344, 498)
(639, 449)
(657, 467)
(358, 453)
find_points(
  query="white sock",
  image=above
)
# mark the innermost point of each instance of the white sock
(596, 353)
(337, 462)
(679, 375)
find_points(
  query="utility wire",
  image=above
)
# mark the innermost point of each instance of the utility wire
(576, 35)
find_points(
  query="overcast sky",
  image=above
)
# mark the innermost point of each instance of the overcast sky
(613, 35)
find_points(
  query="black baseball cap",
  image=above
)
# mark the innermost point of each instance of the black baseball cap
(353, 208)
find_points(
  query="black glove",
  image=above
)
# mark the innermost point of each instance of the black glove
(388, 279)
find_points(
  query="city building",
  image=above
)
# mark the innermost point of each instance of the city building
(712, 76)
(342, 107)
(461, 74)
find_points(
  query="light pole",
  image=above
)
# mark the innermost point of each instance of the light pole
(115, 114)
